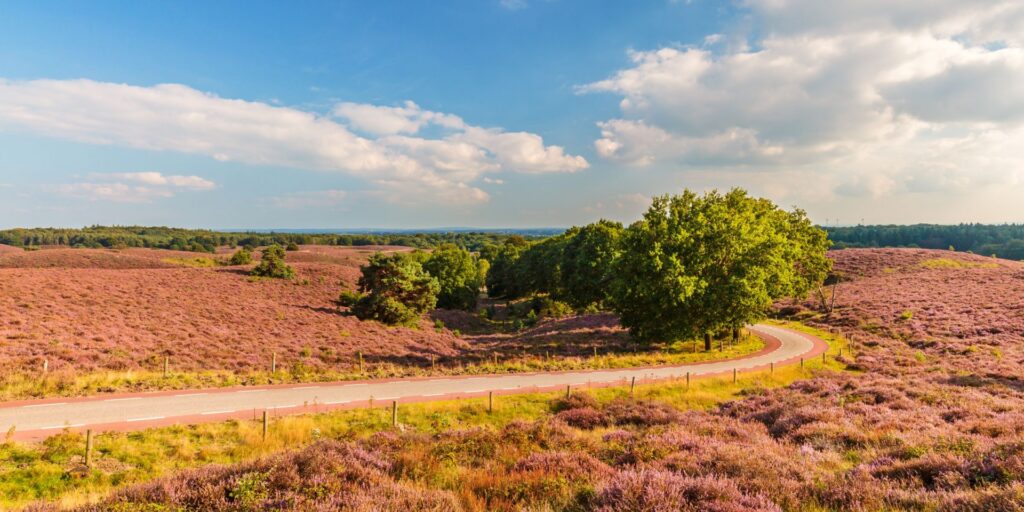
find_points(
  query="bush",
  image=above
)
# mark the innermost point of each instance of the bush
(272, 264)
(657, 491)
(241, 257)
(292, 246)
(546, 307)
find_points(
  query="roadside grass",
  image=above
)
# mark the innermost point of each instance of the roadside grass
(53, 470)
(16, 386)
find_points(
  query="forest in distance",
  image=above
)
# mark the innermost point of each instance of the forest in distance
(1001, 240)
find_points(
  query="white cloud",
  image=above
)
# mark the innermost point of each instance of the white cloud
(132, 187)
(155, 178)
(172, 117)
(875, 98)
(311, 199)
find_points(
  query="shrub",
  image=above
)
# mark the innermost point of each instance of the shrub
(272, 264)
(241, 257)
(292, 246)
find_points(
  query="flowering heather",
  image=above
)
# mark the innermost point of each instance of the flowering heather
(933, 420)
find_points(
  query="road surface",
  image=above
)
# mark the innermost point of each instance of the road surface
(41, 418)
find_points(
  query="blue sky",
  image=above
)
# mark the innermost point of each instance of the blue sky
(504, 113)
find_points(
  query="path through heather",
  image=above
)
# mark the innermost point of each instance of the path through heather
(38, 419)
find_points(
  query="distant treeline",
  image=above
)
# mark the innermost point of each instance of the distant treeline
(1004, 241)
(199, 240)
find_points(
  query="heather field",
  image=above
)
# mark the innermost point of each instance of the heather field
(104, 320)
(929, 418)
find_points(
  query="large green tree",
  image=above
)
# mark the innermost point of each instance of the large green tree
(697, 265)
(538, 269)
(458, 274)
(587, 259)
(394, 289)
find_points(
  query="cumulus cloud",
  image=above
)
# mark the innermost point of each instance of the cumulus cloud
(385, 151)
(876, 98)
(132, 187)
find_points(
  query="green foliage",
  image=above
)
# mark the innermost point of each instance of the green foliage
(272, 264)
(292, 246)
(1003, 240)
(200, 240)
(457, 274)
(501, 278)
(396, 290)
(241, 257)
(704, 264)
(546, 307)
(539, 268)
(586, 265)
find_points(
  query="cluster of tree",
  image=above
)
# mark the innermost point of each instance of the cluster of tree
(693, 266)
(1004, 241)
(574, 267)
(199, 240)
(397, 288)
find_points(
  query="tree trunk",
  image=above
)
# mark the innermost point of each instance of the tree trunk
(707, 342)
(735, 334)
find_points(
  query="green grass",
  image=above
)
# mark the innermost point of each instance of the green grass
(196, 262)
(47, 470)
(936, 263)
(58, 384)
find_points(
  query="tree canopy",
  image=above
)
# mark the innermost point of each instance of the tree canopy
(458, 276)
(394, 289)
(586, 263)
(696, 265)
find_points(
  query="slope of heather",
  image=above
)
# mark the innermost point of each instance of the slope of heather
(86, 309)
(934, 420)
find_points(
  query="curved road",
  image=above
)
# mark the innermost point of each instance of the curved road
(40, 418)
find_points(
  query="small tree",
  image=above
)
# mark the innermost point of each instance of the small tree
(272, 264)
(394, 289)
(241, 257)
(292, 246)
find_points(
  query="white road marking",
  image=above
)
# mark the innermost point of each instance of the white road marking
(43, 405)
(123, 399)
(215, 412)
(150, 418)
(307, 387)
(190, 394)
(55, 427)
(249, 391)
(336, 402)
(434, 394)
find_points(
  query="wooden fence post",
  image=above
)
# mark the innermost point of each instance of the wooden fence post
(273, 363)
(632, 386)
(734, 375)
(88, 448)
(771, 367)
(46, 365)
(167, 365)
(360, 353)
(490, 402)
(568, 389)
(394, 413)
(265, 425)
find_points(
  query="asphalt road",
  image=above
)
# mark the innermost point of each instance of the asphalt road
(36, 419)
